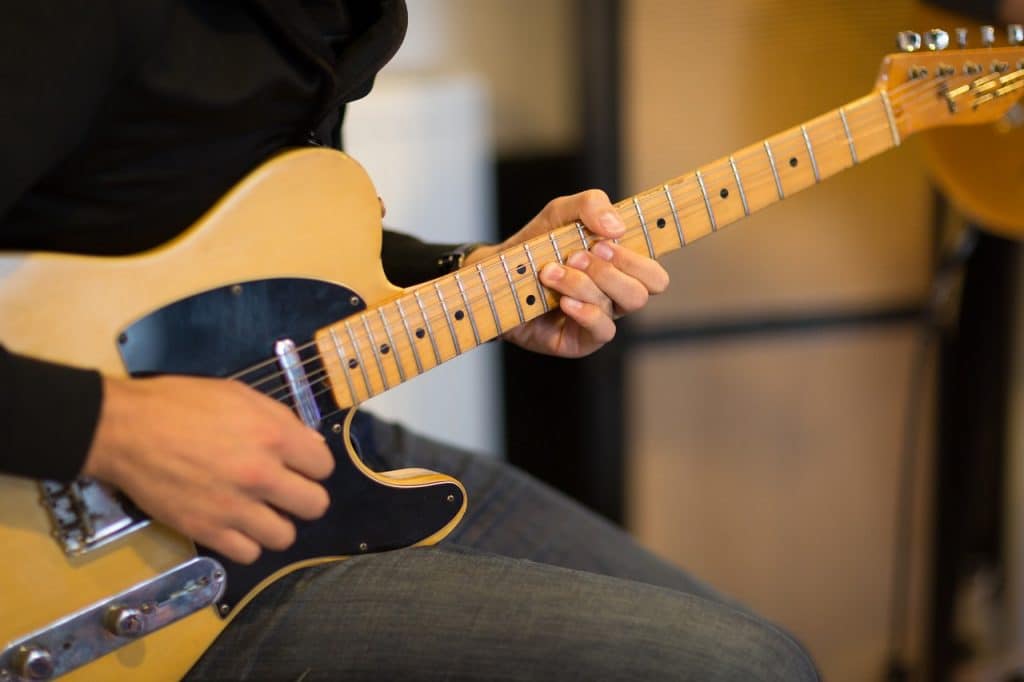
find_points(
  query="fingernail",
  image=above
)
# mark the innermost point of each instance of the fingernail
(571, 303)
(579, 260)
(602, 251)
(553, 272)
(612, 223)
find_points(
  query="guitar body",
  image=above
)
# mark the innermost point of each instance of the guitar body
(271, 260)
(980, 168)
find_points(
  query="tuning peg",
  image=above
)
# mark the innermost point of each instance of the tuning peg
(961, 37)
(1015, 34)
(988, 36)
(936, 39)
(908, 41)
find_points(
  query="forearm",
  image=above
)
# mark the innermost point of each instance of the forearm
(48, 415)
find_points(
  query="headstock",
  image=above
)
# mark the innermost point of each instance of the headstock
(938, 79)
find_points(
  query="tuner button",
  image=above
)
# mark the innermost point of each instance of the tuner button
(1015, 34)
(908, 41)
(988, 36)
(33, 663)
(936, 39)
(124, 621)
(961, 37)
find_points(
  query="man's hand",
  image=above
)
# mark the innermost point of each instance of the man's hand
(213, 459)
(596, 286)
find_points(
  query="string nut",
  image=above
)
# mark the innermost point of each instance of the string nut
(936, 40)
(908, 41)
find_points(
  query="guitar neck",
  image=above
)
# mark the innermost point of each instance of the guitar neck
(432, 323)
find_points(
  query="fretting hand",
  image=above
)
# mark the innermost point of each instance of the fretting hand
(596, 286)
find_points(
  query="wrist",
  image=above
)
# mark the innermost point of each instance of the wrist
(109, 438)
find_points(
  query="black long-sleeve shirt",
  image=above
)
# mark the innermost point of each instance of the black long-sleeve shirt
(122, 121)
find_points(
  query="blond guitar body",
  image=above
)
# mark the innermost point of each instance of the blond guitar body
(309, 214)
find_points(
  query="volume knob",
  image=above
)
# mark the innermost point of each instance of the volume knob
(125, 621)
(33, 663)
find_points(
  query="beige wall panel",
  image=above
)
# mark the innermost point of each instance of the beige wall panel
(769, 467)
(703, 79)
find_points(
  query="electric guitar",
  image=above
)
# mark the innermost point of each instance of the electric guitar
(267, 289)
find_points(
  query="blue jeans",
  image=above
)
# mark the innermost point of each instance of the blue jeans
(530, 586)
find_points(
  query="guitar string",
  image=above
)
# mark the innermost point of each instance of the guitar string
(691, 208)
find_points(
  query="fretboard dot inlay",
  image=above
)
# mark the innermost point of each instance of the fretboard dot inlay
(459, 314)
(794, 162)
(531, 299)
(660, 223)
(521, 269)
(724, 193)
(384, 348)
(420, 333)
(353, 363)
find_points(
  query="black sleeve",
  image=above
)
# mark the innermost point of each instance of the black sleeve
(408, 261)
(982, 10)
(49, 414)
(58, 59)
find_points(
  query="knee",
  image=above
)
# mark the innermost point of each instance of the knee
(766, 652)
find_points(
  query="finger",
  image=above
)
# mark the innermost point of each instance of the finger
(231, 543)
(593, 319)
(296, 494)
(649, 272)
(264, 525)
(627, 293)
(573, 282)
(305, 451)
(592, 208)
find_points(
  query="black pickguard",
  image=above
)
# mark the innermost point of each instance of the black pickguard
(220, 333)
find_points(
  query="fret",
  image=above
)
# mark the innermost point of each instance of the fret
(810, 153)
(643, 227)
(359, 359)
(892, 118)
(707, 201)
(675, 214)
(469, 309)
(849, 137)
(391, 344)
(554, 245)
(412, 339)
(376, 353)
(583, 236)
(344, 365)
(739, 186)
(490, 299)
(512, 286)
(775, 170)
(429, 330)
(536, 280)
(448, 319)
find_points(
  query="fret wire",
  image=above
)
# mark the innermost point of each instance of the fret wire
(554, 245)
(448, 318)
(391, 343)
(469, 309)
(643, 227)
(707, 201)
(583, 235)
(739, 186)
(429, 330)
(892, 118)
(775, 170)
(376, 353)
(490, 299)
(849, 137)
(512, 286)
(675, 214)
(359, 359)
(810, 153)
(536, 279)
(412, 339)
(344, 365)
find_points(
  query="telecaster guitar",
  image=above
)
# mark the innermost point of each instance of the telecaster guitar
(266, 289)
